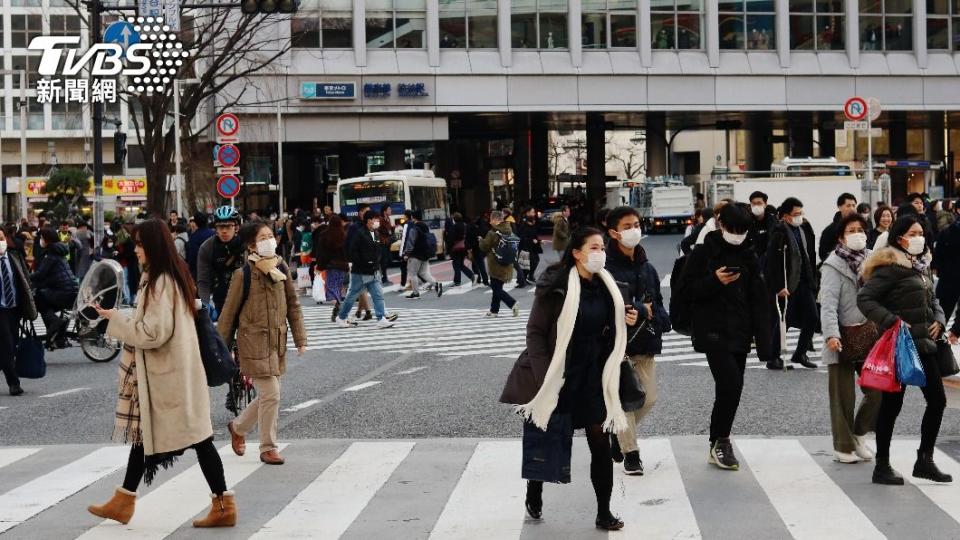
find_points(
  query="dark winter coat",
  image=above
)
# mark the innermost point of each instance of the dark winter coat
(726, 317)
(894, 290)
(456, 233)
(946, 257)
(364, 253)
(643, 285)
(25, 303)
(329, 252)
(529, 240)
(783, 241)
(53, 271)
(528, 373)
(758, 237)
(193, 247)
(488, 245)
(828, 238)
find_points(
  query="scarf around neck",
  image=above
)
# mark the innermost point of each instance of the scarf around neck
(268, 265)
(541, 407)
(854, 260)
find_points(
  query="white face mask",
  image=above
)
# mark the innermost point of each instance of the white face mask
(267, 248)
(856, 241)
(757, 209)
(866, 217)
(376, 225)
(796, 221)
(734, 239)
(630, 237)
(3, 247)
(596, 260)
(915, 245)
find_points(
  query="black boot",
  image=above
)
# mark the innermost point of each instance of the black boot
(883, 473)
(803, 360)
(534, 502)
(926, 468)
(615, 451)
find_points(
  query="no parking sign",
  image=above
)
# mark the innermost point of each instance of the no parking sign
(228, 186)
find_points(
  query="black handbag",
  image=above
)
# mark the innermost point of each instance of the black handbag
(946, 360)
(546, 454)
(632, 394)
(30, 362)
(217, 358)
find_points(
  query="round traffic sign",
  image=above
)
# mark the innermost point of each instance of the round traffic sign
(228, 155)
(873, 107)
(228, 124)
(855, 109)
(228, 186)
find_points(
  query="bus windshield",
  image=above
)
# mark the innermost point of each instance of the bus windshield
(432, 200)
(376, 193)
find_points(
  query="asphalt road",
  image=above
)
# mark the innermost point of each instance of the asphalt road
(354, 383)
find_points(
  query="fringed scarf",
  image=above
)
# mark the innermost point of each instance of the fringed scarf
(126, 426)
(854, 260)
(541, 407)
(268, 265)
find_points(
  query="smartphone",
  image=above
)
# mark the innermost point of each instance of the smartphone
(732, 270)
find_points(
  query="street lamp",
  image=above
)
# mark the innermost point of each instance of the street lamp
(23, 139)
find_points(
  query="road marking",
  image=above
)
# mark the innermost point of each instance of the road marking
(903, 454)
(361, 386)
(329, 505)
(660, 501)
(304, 405)
(809, 502)
(488, 499)
(507, 287)
(453, 291)
(514, 350)
(411, 370)
(65, 392)
(28, 500)
(10, 455)
(665, 282)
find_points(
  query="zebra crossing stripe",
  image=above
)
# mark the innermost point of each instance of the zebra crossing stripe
(811, 505)
(10, 455)
(28, 500)
(947, 496)
(488, 500)
(327, 507)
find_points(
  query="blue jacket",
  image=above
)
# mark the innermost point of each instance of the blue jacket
(644, 287)
(53, 271)
(193, 248)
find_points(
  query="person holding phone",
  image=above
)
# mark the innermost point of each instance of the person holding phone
(730, 307)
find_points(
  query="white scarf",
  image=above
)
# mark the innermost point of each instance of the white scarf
(543, 404)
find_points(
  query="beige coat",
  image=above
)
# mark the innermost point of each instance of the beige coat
(262, 332)
(171, 382)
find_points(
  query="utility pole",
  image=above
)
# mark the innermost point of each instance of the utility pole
(96, 9)
(280, 159)
(176, 144)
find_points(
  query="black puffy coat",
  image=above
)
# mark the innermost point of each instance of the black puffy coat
(643, 285)
(364, 253)
(726, 317)
(529, 241)
(53, 271)
(893, 290)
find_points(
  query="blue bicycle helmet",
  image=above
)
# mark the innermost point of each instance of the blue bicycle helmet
(225, 214)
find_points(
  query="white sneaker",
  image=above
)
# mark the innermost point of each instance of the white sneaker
(516, 310)
(844, 457)
(345, 323)
(385, 323)
(864, 451)
(491, 315)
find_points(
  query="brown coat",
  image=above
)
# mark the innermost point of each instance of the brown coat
(171, 382)
(262, 332)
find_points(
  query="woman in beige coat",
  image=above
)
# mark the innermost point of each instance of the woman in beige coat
(164, 405)
(260, 316)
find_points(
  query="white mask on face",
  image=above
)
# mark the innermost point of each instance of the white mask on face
(866, 217)
(734, 239)
(915, 245)
(796, 221)
(596, 260)
(630, 237)
(757, 209)
(267, 248)
(376, 225)
(3, 247)
(856, 241)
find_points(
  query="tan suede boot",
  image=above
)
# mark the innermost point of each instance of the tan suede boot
(119, 508)
(223, 512)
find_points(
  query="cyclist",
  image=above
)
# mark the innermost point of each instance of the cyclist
(218, 257)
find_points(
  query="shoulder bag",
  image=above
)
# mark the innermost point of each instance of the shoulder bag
(946, 359)
(218, 363)
(857, 341)
(30, 362)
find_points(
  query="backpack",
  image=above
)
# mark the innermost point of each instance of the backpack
(426, 242)
(681, 316)
(247, 277)
(505, 252)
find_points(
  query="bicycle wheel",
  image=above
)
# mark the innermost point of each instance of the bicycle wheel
(235, 395)
(98, 347)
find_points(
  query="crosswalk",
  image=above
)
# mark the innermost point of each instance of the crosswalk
(466, 332)
(468, 489)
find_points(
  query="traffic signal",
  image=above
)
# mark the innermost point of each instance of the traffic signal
(252, 7)
(119, 147)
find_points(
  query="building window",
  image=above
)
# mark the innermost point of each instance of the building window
(886, 25)
(747, 24)
(676, 24)
(64, 25)
(539, 24)
(29, 63)
(25, 3)
(468, 24)
(34, 114)
(66, 116)
(817, 25)
(397, 24)
(23, 28)
(609, 23)
(943, 25)
(324, 24)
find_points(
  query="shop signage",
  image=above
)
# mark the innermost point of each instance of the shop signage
(115, 186)
(325, 90)
(404, 90)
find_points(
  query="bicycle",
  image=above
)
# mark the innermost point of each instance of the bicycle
(240, 392)
(96, 345)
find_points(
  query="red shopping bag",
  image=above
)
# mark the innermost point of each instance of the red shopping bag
(879, 370)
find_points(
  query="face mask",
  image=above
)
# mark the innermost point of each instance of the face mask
(376, 225)
(915, 245)
(3, 247)
(630, 238)
(856, 241)
(757, 209)
(734, 239)
(865, 216)
(596, 260)
(796, 221)
(267, 248)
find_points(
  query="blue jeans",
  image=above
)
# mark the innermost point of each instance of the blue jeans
(359, 282)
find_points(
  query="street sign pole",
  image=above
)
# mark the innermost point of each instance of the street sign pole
(176, 144)
(96, 9)
(869, 147)
(279, 159)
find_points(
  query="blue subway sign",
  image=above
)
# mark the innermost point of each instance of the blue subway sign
(328, 90)
(412, 90)
(376, 90)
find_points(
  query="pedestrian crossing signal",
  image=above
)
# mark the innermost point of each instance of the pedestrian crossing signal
(252, 7)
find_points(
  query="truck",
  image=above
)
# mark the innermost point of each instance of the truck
(663, 203)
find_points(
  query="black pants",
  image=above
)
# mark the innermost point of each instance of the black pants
(9, 321)
(49, 302)
(524, 276)
(601, 470)
(948, 297)
(802, 312)
(479, 266)
(930, 425)
(459, 267)
(210, 465)
(499, 295)
(727, 369)
(384, 263)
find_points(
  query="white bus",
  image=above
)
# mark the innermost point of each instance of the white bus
(402, 190)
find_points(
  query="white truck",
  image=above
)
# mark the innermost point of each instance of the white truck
(663, 205)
